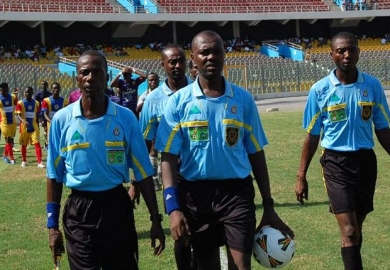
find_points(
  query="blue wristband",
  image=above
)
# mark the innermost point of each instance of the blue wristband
(53, 214)
(171, 200)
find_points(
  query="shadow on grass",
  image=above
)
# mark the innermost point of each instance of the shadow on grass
(296, 204)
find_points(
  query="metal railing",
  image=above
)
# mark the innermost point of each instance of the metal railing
(257, 78)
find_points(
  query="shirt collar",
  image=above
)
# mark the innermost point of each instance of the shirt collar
(111, 109)
(168, 91)
(335, 81)
(197, 92)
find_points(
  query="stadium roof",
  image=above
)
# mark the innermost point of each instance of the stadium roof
(33, 19)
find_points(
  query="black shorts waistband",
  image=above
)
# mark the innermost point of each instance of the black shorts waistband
(216, 181)
(97, 194)
(348, 153)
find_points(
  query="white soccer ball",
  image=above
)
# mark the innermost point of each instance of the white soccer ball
(272, 249)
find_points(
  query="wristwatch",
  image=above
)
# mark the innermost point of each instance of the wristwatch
(158, 217)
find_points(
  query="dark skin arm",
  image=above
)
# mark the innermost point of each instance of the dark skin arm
(309, 148)
(178, 224)
(383, 136)
(260, 172)
(46, 115)
(146, 187)
(56, 242)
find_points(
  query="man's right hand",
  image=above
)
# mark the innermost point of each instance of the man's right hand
(180, 230)
(301, 188)
(56, 243)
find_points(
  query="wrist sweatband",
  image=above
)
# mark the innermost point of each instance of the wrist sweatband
(53, 214)
(171, 200)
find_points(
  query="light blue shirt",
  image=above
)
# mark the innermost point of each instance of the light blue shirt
(212, 136)
(153, 108)
(346, 114)
(95, 155)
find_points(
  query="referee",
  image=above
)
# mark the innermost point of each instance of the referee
(342, 110)
(93, 144)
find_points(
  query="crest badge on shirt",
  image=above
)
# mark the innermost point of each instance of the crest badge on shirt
(234, 109)
(231, 136)
(366, 112)
(116, 131)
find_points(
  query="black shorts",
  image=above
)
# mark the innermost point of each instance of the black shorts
(350, 179)
(100, 231)
(219, 212)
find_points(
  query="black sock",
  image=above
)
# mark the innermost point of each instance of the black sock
(352, 258)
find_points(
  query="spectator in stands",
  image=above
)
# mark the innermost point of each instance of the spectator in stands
(343, 111)
(27, 110)
(129, 87)
(40, 96)
(211, 120)
(43, 50)
(7, 55)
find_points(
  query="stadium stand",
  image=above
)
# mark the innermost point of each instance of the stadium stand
(69, 6)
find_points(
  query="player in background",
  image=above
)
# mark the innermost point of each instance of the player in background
(128, 87)
(74, 96)
(27, 110)
(193, 70)
(40, 96)
(53, 104)
(153, 82)
(8, 121)
(342, 110)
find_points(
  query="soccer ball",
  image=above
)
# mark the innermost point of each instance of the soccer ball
(272, 249)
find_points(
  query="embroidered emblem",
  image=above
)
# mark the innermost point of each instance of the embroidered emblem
(56, 107)
(334, 98)
(231, 136)
(366, 112)
(115, 157)
(365, 93)
(116, 131)
(234, 109)
(194, 110)
(29, 107)
(6, 103)
(337, 115)
(199, 133)
(77, 136)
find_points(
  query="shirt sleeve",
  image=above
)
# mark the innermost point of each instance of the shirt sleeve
(254, 139)
(312, 114)
(381, 110)
(169, 138)
(55, 164)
